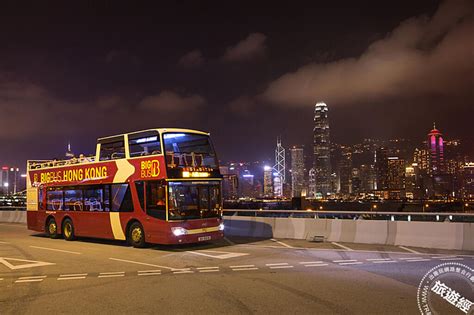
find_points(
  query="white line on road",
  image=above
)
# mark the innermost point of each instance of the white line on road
(410, 258)
(417, 260)
(112, 273)
(242, 266)
(146, 271)
(277, 264)
(1, 242)
(183, 271)
(351, 263)
(111, 276)
(74, 275)
(205, 268)
(281, 267)
(209, 270)
(344, 260)
(454, 258)
(384, 261)
(316, 265)
(281, 243)
(244, 269)
(229, 241)
(150, 274)
(71, 278)
(29, 280)
(377, 259)
(311, 262)
(341, 246)
(410, 250)
(140, 263)
(1, 279)
(56, 250)
(32, 277)
(446, 256)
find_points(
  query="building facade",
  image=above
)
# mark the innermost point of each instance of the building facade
(322, 150)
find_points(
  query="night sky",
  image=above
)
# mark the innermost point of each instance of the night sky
(246, 72)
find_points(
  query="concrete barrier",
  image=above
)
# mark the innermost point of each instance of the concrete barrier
(13, 216)
(441, 235)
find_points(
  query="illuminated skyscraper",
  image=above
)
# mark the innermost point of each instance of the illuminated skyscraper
(321, 146)
(279, 169)
(436, 148)
(297, 171)
(267, 181)
(69, 153)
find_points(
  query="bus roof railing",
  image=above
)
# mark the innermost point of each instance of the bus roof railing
(336, 212)
(40, 164)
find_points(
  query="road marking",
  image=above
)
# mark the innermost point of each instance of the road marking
(32, 263)
(440, 257)
(344, 260)
(56, 250)
(71, 278)
(311, 262)
(417, 260)
(1, 242)
(409, 258)
(140, 263)
(341, 246)
(149, 273)
(454, 258)
(244, 269)
(74, 275)
(410, 250)
(377, 259)
(281, 243)
(242, 266)
(384, 261)
(112, 274)
(277, 264)
(206, 268)
(220, 254)
(351, 263)
(281, 267)
(316, 265)
(209, 270)
(1, 279)
(30, 279)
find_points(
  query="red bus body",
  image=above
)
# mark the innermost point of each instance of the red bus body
(104, 180)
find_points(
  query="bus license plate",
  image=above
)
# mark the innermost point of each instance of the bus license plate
(204, 238)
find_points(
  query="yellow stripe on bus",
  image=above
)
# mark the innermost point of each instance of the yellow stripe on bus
(204, 230)
(116, 226)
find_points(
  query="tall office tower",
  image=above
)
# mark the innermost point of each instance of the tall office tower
(322, 153)
(345, 171)
(279, 168)
(436, 148)
(267, 182)
(422, 159)
(312, 183)
(381, 169)
(297, 170)
(396, 174)
(69, 153)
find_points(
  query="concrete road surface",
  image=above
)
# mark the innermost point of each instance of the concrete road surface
(39, 275)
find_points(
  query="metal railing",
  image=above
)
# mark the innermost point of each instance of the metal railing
(356, 215)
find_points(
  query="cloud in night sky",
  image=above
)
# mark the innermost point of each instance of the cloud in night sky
(168, 101)
(192, 59)
(422, 57)
(251, 47)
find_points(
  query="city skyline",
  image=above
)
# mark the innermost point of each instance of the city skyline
(384, 69)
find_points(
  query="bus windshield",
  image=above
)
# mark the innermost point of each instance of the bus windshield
(189, 150)
(188, 200)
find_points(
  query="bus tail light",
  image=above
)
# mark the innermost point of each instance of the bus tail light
(178, 231)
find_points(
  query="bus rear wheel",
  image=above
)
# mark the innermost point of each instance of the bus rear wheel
(52, 228)
(68, 230)
(136, 235)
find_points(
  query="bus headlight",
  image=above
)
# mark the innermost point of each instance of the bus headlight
(221, 227)
(178, 231)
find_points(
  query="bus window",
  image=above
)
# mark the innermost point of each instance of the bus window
(121, 198)
(73, 200)
(41, 198)
(112, 150)
(156, 199)
(144, 143)
(54, 199)
(94, 199)
(141, 193)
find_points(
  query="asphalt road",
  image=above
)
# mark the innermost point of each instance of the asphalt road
(39, 275)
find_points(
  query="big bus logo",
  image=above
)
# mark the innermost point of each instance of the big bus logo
(150, 168)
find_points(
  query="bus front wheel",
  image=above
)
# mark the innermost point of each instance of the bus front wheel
(52, 228)
(68, 230)
(136, 235)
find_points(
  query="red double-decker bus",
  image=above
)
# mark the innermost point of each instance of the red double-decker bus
(154, 186)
